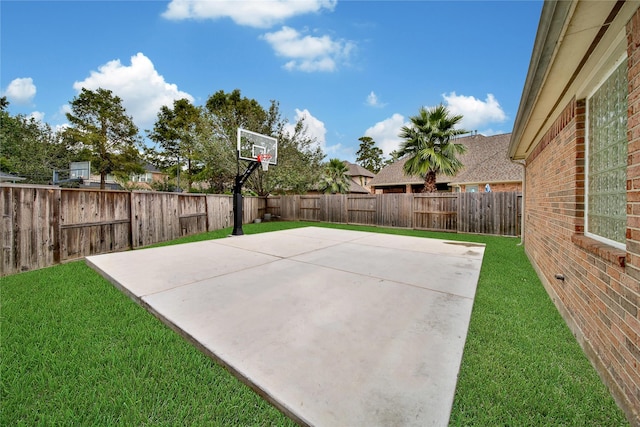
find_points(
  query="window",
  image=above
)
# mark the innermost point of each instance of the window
(606, 147)
(147, 177)
(471, 188)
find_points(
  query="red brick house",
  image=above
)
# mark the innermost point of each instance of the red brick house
(577, 132)
(486, 167)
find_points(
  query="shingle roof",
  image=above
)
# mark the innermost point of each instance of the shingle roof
(485, 161)
(357, 188)
(148, 167)
(393, 174)
(357, 170)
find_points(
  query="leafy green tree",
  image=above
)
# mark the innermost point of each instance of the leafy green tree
(31, 149)
(368, 155)
(99, 121)
(393, 157)
(216, 150)
(176, 132)
(299, 163)
(232, 111)
(430, 144)
(228, 112)
(298, 155)
(335, 179)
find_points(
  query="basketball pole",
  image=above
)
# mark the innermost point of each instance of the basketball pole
(237, 197)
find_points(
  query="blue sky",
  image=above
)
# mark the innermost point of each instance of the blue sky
(351, 68)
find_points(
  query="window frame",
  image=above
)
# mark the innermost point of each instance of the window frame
(596, 87)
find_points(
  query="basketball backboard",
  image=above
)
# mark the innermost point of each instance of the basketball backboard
(252, 144)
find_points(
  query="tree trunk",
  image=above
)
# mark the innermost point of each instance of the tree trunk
(430, 183)
(103, 180)
(189, 178)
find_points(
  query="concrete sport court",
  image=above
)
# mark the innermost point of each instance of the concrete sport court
(333, 327)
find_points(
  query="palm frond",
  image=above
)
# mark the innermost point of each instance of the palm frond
(429, 141)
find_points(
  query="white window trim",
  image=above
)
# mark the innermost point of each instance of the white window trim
(597, 86)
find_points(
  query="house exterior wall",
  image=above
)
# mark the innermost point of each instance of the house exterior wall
(407, 188)
(506, 187)
(600, 294)
(362, 181)
(497, 187)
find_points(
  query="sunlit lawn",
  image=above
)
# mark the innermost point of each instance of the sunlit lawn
(76, 351)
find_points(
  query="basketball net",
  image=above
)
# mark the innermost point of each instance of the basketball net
(264, 161)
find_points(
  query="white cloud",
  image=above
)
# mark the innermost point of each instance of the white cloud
(21, 91)
(373, 101)
(142, 90)
(60, 128)
(260, 14)
(476, 113)
(66, 108)
(314, 128)
(36, 115)
(385, 133)
(308, 53)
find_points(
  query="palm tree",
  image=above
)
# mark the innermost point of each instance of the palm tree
(335, 179)
(430, 142)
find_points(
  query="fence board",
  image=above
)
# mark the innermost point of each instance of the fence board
(435, 212)
(154, 218)
(274, 206)
(28, 233)
(362, 209)
(93, 221)
(252, 208)
(290, 208)
(219, 212)
(333, 208)
(42, 225)
(309, 208)
(487, 213)
(490, 213)
(394, 210)
(192, 214)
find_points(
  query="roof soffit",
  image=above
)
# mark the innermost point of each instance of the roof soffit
(567, 69)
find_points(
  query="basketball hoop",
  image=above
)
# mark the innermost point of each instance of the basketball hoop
(264, 161)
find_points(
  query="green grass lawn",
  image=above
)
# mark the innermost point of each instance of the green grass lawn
(76, 351)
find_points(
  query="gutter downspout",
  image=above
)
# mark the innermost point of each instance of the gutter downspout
(524, 181)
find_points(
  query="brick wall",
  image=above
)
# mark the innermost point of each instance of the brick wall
(600, 294)
(503, 187)
(633, 170)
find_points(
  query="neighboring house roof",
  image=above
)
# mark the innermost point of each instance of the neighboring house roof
(393, 174)
(357, 188)
(148, 167)
(485, 161)
(7, 177)
(357, 170)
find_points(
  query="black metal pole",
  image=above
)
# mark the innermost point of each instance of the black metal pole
(237, 198)
(237, 207)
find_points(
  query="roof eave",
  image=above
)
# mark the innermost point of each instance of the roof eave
(553, 19)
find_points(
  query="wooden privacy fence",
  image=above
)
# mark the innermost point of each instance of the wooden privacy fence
(42, 226)
(484, 213)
